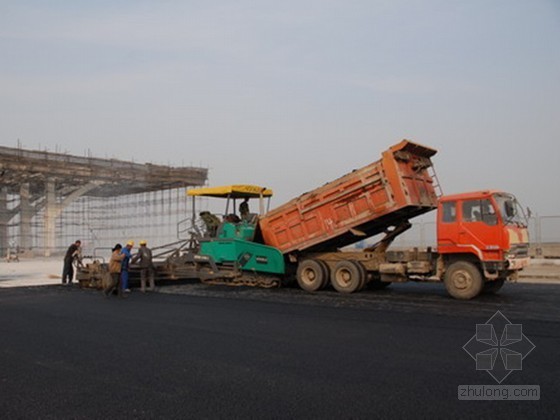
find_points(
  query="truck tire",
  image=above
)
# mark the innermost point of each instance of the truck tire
(493, 286)
(312, 275)
(326, 273)
(364, 274)
(463, 280)
(347, 277)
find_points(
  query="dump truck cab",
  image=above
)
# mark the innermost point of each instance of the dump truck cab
(486, 229)
(230, 240)
(487, 224)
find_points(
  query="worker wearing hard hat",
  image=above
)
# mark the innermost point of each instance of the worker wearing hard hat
(125, 264)
(144, 259)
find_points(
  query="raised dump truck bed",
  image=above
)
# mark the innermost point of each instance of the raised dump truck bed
(358, 205)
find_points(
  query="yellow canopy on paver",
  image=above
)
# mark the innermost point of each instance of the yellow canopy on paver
(232, 191)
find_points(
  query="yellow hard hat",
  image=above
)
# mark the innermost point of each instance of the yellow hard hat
(130, 243)
(143, 242)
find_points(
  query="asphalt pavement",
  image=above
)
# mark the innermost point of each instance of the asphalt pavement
(201, 351)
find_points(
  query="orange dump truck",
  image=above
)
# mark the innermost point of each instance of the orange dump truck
(482, 236)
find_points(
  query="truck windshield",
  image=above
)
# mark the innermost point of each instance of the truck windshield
(511, 210)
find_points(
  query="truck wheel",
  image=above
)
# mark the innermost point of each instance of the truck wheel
(311, 275)
(493, 286)
(463, 280)
(326, 273)
(363, 274)
(347, 277)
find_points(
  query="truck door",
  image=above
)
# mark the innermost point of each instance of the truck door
(448, 230)
(479, 228)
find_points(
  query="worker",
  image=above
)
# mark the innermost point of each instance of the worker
(72, 253)
(115, 268)
(125, 265)
(144, 257)
(211, 221)
(244, 209)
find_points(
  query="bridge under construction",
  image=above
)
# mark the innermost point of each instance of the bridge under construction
(48, 200)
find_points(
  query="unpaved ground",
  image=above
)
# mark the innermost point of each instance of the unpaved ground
(46, 271)
(31, 272)
(541, 271)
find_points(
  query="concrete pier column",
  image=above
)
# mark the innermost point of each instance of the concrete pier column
(51, 213)
(4, 220)
(26, 214)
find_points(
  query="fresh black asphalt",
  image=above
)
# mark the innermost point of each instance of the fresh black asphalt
(219, 352)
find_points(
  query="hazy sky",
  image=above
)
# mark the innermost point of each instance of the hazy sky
(291, 94)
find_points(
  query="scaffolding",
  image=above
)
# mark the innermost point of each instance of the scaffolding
(49, 200)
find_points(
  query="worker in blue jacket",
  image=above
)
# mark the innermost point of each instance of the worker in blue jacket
(125, 264)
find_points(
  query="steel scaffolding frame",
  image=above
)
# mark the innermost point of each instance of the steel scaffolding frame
(48, 200)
